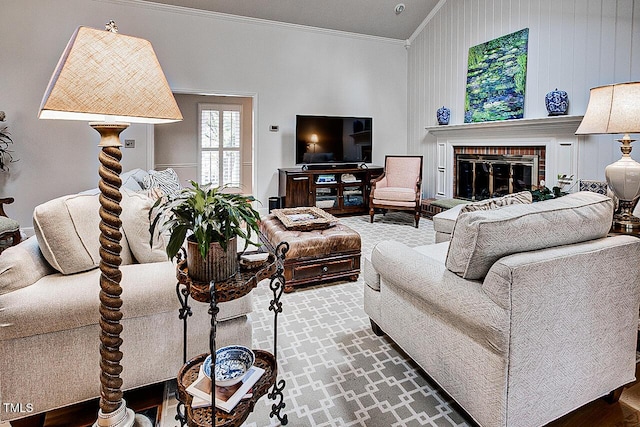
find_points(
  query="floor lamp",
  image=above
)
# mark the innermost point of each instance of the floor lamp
(110, 80)
(615, 109)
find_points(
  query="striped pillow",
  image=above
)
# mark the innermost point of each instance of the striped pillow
(524, 197)
(166, 181)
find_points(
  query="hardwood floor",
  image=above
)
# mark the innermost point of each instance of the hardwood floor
(624, 413)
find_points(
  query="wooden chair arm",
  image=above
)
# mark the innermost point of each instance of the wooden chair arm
(375, 180)
(5, 201)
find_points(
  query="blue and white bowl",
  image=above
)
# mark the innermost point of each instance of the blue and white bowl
(232, 364)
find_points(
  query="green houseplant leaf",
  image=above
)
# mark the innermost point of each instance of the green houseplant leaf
(204, 215)
(5, 154)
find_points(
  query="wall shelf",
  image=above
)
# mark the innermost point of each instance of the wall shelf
(540, 126)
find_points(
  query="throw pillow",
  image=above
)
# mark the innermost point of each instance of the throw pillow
(67, 229)
(483, 237)
(133, 179)
(524, 197)
(166, 181)
(135, 224)
(22, 265)
(152, 193)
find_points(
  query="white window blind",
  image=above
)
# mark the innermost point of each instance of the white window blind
(220, 144)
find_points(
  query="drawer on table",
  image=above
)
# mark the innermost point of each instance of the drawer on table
(319, 269)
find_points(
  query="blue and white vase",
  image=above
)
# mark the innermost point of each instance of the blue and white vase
(557, 102)
(443, 114)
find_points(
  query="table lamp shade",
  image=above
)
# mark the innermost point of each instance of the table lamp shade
(612, 109)
(106, 76)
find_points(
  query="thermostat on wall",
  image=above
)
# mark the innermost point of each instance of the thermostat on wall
(274, 128)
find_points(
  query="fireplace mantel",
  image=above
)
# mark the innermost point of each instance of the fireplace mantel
(539, 126)
(556, 134)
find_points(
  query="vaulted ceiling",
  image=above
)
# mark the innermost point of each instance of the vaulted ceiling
(371, 17)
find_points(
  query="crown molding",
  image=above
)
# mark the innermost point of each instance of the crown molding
(249, 20)
(424, 23)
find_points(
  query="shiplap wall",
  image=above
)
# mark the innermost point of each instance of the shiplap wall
(573, 45)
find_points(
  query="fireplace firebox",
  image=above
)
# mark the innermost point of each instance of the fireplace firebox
(482, 176)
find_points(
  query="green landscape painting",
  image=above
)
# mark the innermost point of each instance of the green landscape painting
(496, 77)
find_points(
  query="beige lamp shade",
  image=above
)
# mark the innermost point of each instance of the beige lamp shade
(612, 109)
(106, 76)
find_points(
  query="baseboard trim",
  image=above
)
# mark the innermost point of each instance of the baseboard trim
(26, 232)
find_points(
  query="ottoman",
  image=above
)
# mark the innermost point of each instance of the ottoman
(315, 256)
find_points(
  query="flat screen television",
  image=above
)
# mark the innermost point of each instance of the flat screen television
(329, 139)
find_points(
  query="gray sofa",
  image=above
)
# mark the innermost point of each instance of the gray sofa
(49, 285)
(528, 313)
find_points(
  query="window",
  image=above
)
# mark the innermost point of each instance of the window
(220, 137)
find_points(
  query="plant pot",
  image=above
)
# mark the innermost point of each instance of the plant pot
(217, 266)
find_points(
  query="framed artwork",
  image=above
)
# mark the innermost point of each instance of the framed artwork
(496, 79)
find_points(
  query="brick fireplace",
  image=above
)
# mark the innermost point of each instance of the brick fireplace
(483, 172)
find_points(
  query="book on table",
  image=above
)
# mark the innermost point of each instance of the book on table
(226, 397)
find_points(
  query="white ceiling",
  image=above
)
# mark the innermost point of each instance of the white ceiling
(371, 17)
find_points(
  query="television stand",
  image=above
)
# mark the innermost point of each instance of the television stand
(338, 189)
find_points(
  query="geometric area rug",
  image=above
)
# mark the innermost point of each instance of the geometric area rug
(338, 373)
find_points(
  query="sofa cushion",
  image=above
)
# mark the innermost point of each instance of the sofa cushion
(394, 203)
(448, 203)
(395, 193)
(445, 220)
(22, 265)
(135, 224)
(67, 229)
(146, 289)
(480, 238)
(437, 252)
(523, 197)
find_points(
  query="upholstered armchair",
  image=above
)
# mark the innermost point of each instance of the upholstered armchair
(398, 188)
(9, 228)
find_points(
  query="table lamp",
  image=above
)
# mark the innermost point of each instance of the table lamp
(616, 109)
(111, 80)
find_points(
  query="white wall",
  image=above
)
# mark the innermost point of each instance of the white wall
(573, 45)
(291, 70)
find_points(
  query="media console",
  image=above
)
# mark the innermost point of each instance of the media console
(342, 189)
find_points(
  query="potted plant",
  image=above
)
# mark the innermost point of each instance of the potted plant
(210, 220)
(5, 140)
(543, 192)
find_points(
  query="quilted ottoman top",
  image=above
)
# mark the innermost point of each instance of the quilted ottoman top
(311, 244)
